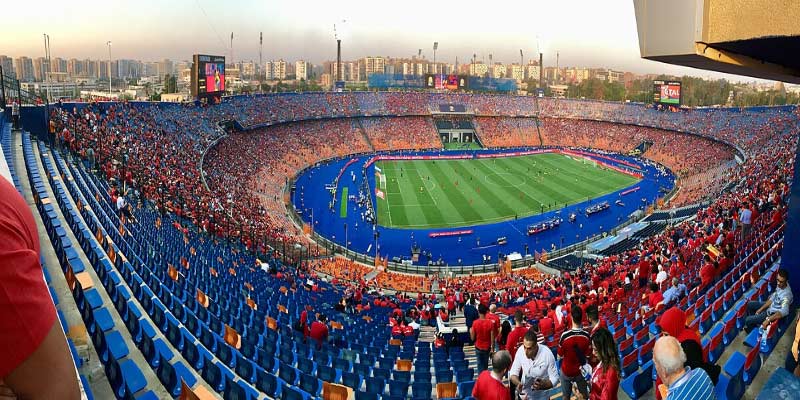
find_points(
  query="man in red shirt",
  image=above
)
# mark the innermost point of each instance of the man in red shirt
(319, 330)
(489, 385)
(575, 347)
(516, 335)
(707, 272)
(482, 333)
(35, 362)
(495, 320)
(653, 298)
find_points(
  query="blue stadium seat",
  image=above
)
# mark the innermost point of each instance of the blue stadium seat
(465, 388)
(638, 383)
(212, 373)
(268, 383)
(170, 376)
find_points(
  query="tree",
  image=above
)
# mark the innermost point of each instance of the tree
(170, 84)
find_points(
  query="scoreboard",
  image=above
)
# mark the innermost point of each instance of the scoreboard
(446, 82)
(208, 75)
(667, 93)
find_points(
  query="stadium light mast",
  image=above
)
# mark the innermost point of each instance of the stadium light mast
(109, 69)
(435, 67)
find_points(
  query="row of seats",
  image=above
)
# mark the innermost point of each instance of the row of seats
(719, 321)
(124, 375)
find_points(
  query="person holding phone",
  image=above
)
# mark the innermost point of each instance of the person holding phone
(534, 369)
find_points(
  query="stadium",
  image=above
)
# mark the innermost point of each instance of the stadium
(339, 245)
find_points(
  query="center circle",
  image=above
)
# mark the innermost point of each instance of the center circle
(505, 179)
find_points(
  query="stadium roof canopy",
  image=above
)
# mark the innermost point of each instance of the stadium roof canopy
(758, 38)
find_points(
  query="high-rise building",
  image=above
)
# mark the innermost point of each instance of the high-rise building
(150, 68)
(128, 69)
(374, 65)
(165, 67)
(23, 67)
(516, 72)
(59, 64)
(41, 67)
(100, 69)
(532, 70)
(498, 70)
(90, 70)
(301, 70)
(350, 71)
(249, 69)
(275, 70)
(7, 63)
(73, 67)
(478, 69)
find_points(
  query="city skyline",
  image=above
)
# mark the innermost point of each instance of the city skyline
(583, 33)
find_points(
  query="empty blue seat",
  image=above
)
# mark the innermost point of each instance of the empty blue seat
(638, 383)
(352, 380)
(170, 376)
(327, 374)
(465, 388)
(421, 390)
(233, 391)
(375, 385)
(267, 383)
(290, 393)
(212, 373)
(730, 386)
(310, 384)
(245, 368)
(288, 373)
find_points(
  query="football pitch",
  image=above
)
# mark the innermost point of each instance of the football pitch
(453, 193)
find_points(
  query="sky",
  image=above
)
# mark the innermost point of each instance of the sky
(585, 33)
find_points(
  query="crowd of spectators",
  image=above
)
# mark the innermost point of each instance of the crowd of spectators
(401, 133)
(507, 132)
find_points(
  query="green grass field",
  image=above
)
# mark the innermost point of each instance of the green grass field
(453, 193)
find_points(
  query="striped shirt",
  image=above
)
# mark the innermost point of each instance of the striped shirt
(693, 385)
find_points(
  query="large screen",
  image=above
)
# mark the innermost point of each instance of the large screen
(448, 82)
(667, 92)
(208, 75)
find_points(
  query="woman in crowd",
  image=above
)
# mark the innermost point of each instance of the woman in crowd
(605, 377)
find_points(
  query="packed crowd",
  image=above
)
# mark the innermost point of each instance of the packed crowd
(507, 132)
(401, 133)
(248, 172)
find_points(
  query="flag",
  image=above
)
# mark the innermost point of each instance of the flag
(377, 169)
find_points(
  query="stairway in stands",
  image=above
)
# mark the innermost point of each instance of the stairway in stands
(364, 134)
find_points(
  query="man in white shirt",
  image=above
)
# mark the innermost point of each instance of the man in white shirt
(534, 370)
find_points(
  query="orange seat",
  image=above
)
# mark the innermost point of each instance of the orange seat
(333, 391)
(446, 390)
(403, 365)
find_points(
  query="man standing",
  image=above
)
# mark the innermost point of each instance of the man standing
(574, 346)
(489, 385)
(680, 382)
(15, 113)
(319, 330)
(776, 307)
(745, 218)
(470, 312)
(514, 340)
(534, 369)
(482, 333)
